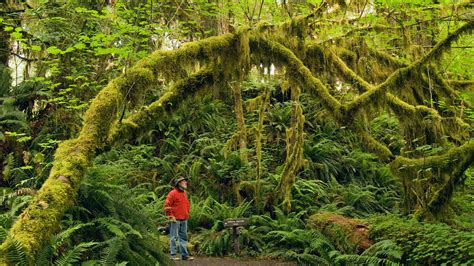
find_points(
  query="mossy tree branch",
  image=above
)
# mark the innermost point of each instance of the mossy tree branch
(138, 122)
(451, 165)
(283, 56)
(38, 221)
(404, 73)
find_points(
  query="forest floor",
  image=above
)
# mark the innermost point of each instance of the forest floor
(214, 261)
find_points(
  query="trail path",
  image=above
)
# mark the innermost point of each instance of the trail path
(224, 261)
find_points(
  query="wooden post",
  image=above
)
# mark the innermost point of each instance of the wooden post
(235, 239)
(235, 223)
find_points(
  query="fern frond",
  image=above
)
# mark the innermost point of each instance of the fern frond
(109, 254)
(364, 260)
(59, 239)
(73, 255)
(116, 227)
(3, 234)
(384, 249)
(16, 253)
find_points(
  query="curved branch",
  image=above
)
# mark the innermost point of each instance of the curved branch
(395, 102)
(373, 145)
(130, 127)
(457, 156)
(168, 62)
(452, 165)
(403, 73)
(285, 56)
(460, 83)
(399, 106)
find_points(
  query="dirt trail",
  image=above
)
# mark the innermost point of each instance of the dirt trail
(217, 261)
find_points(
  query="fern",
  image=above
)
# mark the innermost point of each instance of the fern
(301, 258)
(137, 257)
(73, 255)
(385, 249)
(45, 255)
(118, 228)
(109, 254)
(3, 234)
(320, 244)
(58, 239)
(363, 260)
(15, 252)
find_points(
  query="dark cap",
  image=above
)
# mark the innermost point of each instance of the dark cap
(179, 179)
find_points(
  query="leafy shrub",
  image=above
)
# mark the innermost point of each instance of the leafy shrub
(424, 243)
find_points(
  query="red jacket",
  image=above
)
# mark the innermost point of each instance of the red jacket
(177, 204)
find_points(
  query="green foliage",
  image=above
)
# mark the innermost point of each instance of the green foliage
(70, 49)
(16, 253)
(424, 243)
(112, 223)
(286, 237)
(74, 255)
(14, 203)
(12, 119)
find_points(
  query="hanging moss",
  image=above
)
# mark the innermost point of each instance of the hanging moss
(5, 78)
(291, 34)
(282, 55)
(394, 102)
(265, 101)
(243, 53)
(239, 114)
(457, 129)
(134, 84)
(449, 166)
(404, 73)
(242, 133)
(141, 121)
(294, 151)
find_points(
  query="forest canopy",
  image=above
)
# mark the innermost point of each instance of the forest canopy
(297, 114)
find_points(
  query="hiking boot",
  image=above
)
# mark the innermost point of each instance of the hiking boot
(174, 258)
(188, 258)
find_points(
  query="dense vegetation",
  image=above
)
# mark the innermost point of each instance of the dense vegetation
(295, 114)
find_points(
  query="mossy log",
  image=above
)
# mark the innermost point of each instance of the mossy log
(342, 230)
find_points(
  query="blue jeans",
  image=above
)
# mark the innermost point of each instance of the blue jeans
(179, 231)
